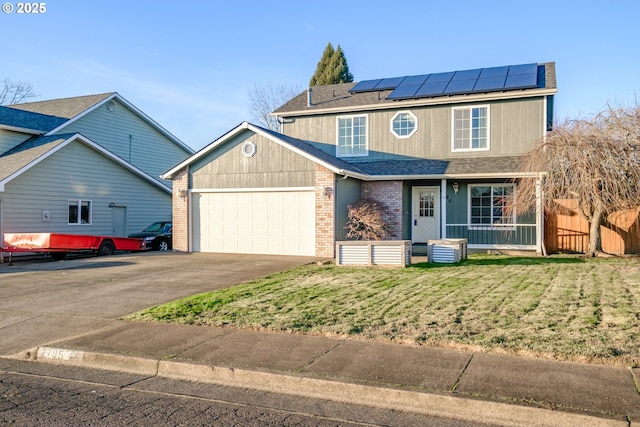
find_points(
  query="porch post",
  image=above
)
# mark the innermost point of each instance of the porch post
(443, 208)
(539, 217)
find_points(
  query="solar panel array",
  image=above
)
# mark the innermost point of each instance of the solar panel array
(480, 80)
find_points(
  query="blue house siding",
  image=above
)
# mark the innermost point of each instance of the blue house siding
(129, 137)
(79, 172)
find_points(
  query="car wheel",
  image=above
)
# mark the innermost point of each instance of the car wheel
(163, 245)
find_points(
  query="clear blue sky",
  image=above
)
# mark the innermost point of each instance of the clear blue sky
(191, 64)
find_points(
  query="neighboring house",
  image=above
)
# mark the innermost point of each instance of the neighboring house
(439, 151)
(84, 165)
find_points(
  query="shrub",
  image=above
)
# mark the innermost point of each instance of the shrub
(366, 221)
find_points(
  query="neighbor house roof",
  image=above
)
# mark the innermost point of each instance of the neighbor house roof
(35, 149)
(64, 107)
(68, 110)
(26, 121)
(338, 98)
(487, 167)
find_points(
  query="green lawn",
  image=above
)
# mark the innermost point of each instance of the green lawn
(565, 308)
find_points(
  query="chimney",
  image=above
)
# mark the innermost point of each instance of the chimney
(309, 98)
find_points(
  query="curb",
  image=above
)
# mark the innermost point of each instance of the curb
(457, 407)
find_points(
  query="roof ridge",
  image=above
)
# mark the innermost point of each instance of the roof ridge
(103, 95)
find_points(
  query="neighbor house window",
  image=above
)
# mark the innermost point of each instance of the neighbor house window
(471, 128)
(79, 212)
(487, 205)
(352, 136)
(404, 124)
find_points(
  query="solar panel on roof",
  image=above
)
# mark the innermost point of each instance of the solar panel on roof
(365, 85)
(440, 77)
(466, 75)
(431, 89)
(414, 80)
(523, 69)
(459, 86)
(493, 72)
(404, 92)
(521, 81)
(489, 84)
(390, 83)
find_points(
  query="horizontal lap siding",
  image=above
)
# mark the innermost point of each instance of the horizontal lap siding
(79, 172)
(148, 149)
(9, 139)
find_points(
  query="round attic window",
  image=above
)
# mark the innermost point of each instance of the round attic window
(249, 149)
(111, 105)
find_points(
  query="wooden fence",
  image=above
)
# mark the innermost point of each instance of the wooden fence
(568, 231)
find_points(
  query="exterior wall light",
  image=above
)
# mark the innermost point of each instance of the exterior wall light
(456, 187)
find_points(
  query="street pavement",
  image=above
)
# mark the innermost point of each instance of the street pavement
(67, 312)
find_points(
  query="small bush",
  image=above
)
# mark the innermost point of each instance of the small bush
(366, 221)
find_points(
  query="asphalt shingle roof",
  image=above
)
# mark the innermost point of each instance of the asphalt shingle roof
(337, 97)
(64, 107)
(18, 118)
(30, 150)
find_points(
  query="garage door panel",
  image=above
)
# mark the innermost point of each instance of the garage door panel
(262, 222)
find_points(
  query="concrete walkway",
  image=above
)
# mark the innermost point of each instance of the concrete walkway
(490, 388)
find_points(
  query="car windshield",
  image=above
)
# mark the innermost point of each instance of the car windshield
(155, 227)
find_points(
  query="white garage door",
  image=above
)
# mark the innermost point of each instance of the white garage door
(278, 223)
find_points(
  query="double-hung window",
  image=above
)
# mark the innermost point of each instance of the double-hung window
(79, 211)
(352, 136)
(487, 205)
(471, 128)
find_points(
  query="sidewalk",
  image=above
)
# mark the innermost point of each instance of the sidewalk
(495, 389)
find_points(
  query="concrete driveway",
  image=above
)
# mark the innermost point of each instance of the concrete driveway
(44, 301)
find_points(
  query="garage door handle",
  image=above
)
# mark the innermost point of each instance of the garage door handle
(415, 222)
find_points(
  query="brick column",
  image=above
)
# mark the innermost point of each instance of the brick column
(325, 212)
(389, 195)
(180, 202)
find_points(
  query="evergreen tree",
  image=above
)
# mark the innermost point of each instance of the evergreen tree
(332, 68)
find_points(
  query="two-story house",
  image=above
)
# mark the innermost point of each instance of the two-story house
(84, 165)
(440, 152)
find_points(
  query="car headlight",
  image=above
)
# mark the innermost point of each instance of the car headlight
(149, 239)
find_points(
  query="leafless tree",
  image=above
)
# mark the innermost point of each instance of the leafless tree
(595, 162)
(15, 92)
(366, 221)
(263, 100)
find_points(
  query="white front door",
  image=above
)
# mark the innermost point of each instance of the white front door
(426, 214)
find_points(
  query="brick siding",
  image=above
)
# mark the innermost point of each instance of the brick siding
(325, 212)
(180, 204)
(389, 195)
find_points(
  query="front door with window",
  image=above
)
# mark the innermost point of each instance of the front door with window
(425, 214)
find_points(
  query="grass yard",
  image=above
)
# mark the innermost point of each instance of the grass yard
(557, 307)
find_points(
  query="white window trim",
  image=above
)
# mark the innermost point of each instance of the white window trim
(492, 226)
(366, 137)
(79, 201)
(453, 129)
(415, 128)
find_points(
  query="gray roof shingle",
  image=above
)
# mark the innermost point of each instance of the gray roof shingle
(27, 152)
(64, 107)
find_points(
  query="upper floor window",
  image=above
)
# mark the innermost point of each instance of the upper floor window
(79, 212)
(487, 205)
(471, 128)
(352, 136)
(404, 124)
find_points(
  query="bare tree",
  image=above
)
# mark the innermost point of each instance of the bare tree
(594, 162)
(265, 99)
(15, 92)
